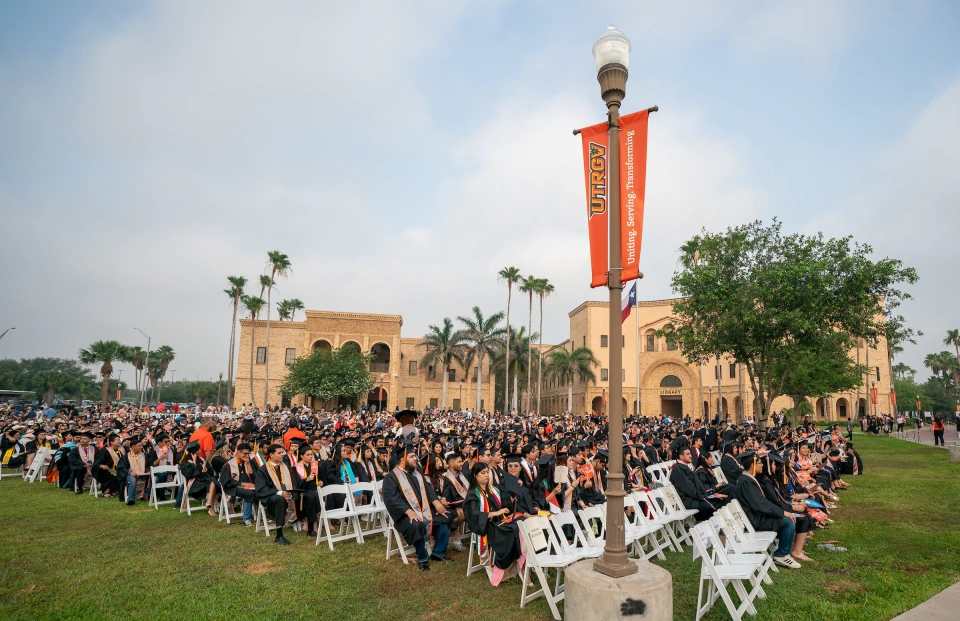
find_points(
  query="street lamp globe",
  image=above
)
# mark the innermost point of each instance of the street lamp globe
(612, 48)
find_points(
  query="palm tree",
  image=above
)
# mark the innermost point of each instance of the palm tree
(511, 275)
(283, 310)
(253, 306)
(165, 356)
(565, 366)
(483, 336)
(953, 338)
(528, 285)
(235, 291)
(295, 305)
(104, 353)
(519, 345)
(138, 358)
(279, 265)
(544, 289)
(901, 370)
(443, 345)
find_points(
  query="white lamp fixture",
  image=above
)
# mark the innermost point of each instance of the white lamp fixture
(612, 48)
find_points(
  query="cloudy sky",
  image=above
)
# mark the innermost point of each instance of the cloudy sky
(401, 153)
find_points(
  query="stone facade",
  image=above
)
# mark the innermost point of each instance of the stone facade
(669, 385)
(403, 384)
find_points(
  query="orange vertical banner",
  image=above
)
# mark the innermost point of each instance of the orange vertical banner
(596, 144)
(633, 190)
(873, 396)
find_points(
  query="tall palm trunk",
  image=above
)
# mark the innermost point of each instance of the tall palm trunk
(266, 358)
(159, 386)
(506, 377)
(479, 379)
(516, 387)
(443, 393)
(105, 390)
(540, 356)
(233, 335)
(570, 396)
(529, 352)
(253, 332)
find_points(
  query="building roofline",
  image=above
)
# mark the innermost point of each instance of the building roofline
(274, 323)
(594, 303)
(351, 315)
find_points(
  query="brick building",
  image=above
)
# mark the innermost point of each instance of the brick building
(400, 378)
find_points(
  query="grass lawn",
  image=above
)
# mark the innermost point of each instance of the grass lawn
(76, 557)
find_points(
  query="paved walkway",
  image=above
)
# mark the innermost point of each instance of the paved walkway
(941, 607)
(922, 436)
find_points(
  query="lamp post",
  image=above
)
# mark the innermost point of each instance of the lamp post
(611, 53)
(219, 381)
(5, 332)
(146, 366)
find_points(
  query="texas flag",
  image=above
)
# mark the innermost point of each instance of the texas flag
(628, 301)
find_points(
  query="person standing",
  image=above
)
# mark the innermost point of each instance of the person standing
(938, 431)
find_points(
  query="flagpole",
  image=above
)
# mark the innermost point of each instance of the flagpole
(636, 330)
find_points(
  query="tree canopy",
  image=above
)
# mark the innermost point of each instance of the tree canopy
(329, 374)
(762, 297)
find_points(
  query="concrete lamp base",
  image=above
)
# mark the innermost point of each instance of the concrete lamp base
(591, 596)
(954, 452)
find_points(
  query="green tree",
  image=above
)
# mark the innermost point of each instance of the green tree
(544, 289)
(165, 356)
(482, 336)
(327, 374)
(138, 358)
(953, 338)
(279, 265)
(295, 305)
(104, 353)
(283, 310)
(901, 371)
(565, 366)
(443, 346)
(253, 307)
(235, 292)
(510, 275)
(817, 371)
(755, 293)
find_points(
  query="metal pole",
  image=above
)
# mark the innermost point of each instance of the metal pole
(5, 332)
(146, 367)
(614, 562)
(219, 382)
(636, 329)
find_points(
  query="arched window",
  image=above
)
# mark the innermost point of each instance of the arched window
(670, 381)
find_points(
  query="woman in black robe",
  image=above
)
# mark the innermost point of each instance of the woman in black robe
(306, 476)
(193, 470)
(484, 516)
(105, 467)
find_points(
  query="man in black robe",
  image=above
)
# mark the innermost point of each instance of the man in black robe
(453, 491)
(408, 497)
(691, 491)
(274, 483)
(81, 461)
(763, 514)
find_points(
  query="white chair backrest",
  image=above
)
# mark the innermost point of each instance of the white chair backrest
(740, 517)
(660, 505)
(721, 477)
(595, 516)
(567, 518)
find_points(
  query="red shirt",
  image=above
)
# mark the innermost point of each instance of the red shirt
(205, 438)
(291, 434)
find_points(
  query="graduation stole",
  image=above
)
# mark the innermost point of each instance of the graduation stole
(114, 457)
(457, 485)
(284, 475)
(302, 471)
(484, 503)
(234, 468)
(137, 463)
(420, 506)
(346, 473)
(86, 455)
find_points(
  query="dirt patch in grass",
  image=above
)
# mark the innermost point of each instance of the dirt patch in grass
(260, 568)
(839, 587)
(910, 569)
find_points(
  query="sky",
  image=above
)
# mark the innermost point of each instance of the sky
(401, 154)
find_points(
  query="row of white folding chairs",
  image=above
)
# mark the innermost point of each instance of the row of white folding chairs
(38, 467)
(661, 471)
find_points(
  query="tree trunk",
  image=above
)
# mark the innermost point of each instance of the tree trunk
(529, 351)
(516, 387)
(105, 391)
(253, 332)
(479, 380)
(443, 394)
(233, 334)
(266, 359)
(570, 396)
(719, 389)
(796, 410)
(506, 376)
(540, 357)
(48, 395)
(159, 386)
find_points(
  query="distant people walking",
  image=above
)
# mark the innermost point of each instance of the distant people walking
(938, 431)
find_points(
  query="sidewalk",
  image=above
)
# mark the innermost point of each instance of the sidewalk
(941, 607)
(921, 436)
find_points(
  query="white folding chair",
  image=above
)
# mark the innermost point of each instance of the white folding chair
(733, 546)
(94, 487)
(263, 521)
(683, 517)
(644, 526)
(42, 459)
(739, 520)
(720, 476)
(594, 525)
(474, 550)
(579, 546)
(186, 503)
(655, 514)
(224, 512)
(371, 512)
(541, 555)
(718, 569)
(172, 485)
(396, 544)
(347, 514)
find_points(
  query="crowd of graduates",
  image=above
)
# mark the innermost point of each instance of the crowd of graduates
(439, 470)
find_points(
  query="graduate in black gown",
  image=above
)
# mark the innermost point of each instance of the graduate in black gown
(275, 487)
(408, 498)
(81, 461)
(306, 475)
(193, 469)
(514, 493)
(135, 471)
(105, 466)
(236, 478)
(486, 517)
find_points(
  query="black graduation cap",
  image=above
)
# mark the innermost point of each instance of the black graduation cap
(602, 455)
(135, 440)
(220, 444)
(513, 458)
(407, 413)
(191, 447)
(747, 458)
(545, 459)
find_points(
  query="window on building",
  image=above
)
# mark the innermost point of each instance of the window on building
(623, 375)
(481, 404)
(671, 345)
(878, 374)
(603, 340)
(261, 355)
(651, 345)
(433, 402)
(290, 355)
(412, 368)
(476, 371)
(410, 402)
(604, 375)
(451, 375)
(623, 340)
(456, 404)
(671, 381)
(733, 370)
(584, 341)
(431, 372)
